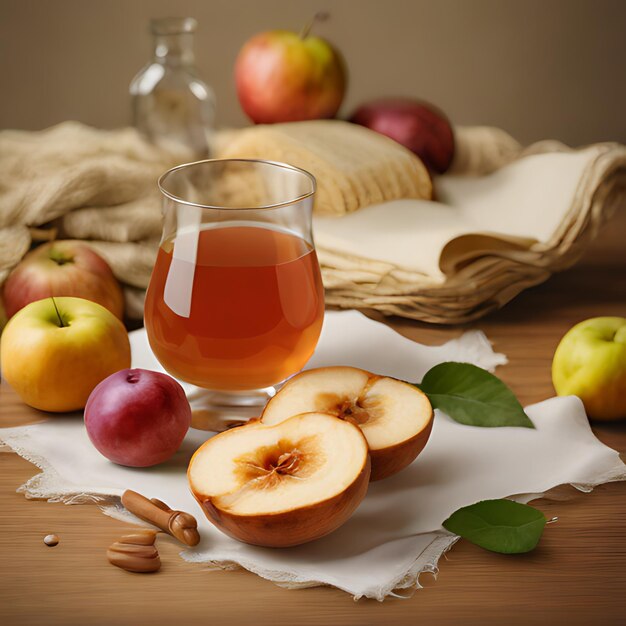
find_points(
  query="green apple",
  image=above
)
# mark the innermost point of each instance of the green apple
(590, 362)
(56, 350)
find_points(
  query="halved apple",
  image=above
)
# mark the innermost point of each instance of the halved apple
(281, 485)
(395, 417)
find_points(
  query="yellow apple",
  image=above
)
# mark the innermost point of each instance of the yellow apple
(54, 351)
(590, 362)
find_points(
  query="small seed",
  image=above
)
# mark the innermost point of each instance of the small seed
(51, 540)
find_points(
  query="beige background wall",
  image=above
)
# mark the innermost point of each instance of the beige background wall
(539, 68)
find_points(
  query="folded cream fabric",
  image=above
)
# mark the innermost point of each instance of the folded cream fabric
(485, 240)
(73, 181)
(396, 533)
(505, 217)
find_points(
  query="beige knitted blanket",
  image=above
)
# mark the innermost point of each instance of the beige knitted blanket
(446, 262)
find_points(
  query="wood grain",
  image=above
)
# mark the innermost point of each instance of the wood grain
(577, 575)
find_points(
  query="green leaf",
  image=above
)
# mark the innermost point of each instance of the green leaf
(471, 395)
(498, 525)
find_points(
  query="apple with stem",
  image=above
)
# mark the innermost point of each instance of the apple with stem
(137, 417)
(283, 76)
(62, 268)
(56, 350)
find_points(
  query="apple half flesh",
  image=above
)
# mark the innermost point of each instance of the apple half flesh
(395, 417)
(282, 485)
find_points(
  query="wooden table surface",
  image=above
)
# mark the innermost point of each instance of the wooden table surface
(577, 575)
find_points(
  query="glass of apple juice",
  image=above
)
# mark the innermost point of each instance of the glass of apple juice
(235, 303)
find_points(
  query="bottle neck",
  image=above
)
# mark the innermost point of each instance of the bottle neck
(175, 49)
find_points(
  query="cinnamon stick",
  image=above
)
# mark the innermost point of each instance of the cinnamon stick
(183, 526)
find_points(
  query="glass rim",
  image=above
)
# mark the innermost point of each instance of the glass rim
(277, 205)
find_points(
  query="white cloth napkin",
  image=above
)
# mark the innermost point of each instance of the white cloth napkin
(396, 532)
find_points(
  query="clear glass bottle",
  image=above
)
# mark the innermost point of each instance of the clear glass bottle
(172, 105)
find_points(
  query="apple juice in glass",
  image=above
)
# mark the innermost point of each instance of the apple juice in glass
(235, 302)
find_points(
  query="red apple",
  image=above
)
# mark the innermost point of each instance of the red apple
(63, 268)
(137, 417)
(283, 76)
(417, 125)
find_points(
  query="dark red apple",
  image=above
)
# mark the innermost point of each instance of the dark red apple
(282, 76)
(62, 268)
(417, 125)
(137, 417)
